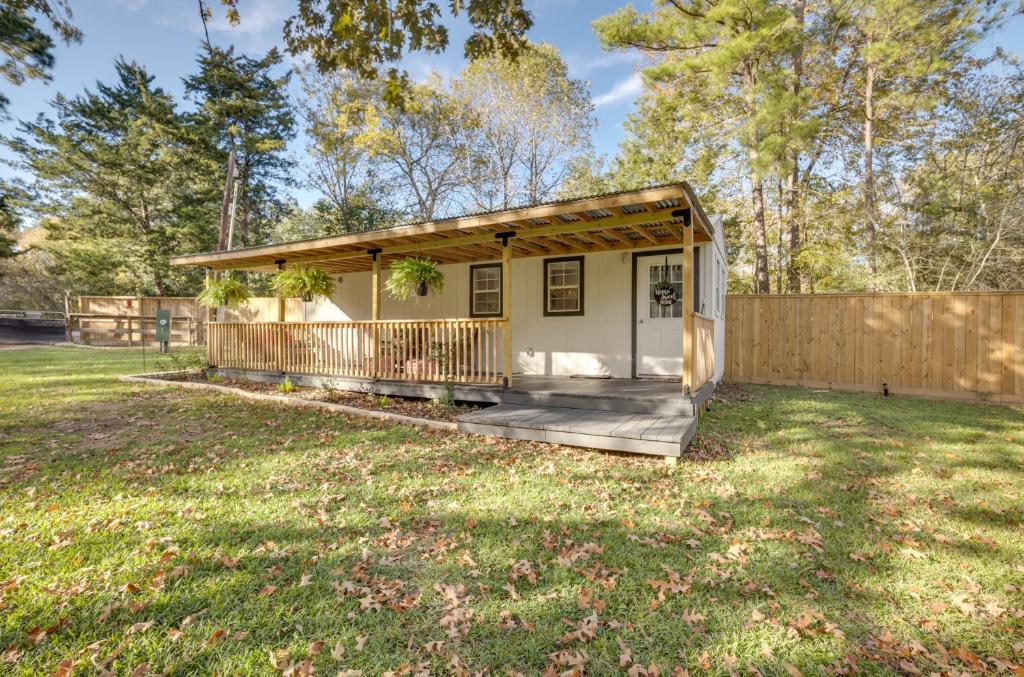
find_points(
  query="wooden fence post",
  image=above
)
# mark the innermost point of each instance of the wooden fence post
(68, 330)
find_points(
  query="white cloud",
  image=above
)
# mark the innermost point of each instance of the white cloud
(624, 90)
(259, 29)
(258, 17)
(580, 67)
(130, 5)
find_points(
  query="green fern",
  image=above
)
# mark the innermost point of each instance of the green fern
(302, 281)
(226, 291)
(410, 274)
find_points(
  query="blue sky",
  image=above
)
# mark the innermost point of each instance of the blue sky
(164, 35)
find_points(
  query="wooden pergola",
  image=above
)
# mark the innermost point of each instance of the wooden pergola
(651, 217)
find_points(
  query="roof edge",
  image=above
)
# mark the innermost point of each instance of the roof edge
(368, 237)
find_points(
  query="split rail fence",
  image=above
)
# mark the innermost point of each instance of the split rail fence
(964, 345)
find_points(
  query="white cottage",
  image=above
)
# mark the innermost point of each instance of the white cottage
(596, 321)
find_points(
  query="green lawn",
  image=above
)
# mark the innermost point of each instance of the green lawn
(152, 529)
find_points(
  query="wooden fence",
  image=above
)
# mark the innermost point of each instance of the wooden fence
(966, 345)
(130, 320)
(467, 350)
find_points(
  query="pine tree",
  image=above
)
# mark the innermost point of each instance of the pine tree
(719, 59)
(27, 49)
(243, 105)
(123, 185)
(903, 53)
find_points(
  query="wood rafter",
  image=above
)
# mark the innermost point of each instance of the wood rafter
(643, 233)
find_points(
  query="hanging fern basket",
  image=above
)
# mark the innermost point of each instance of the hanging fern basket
(414, 276)
(227, 292)
(306, 282)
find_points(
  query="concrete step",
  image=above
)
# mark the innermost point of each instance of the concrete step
(637, 432)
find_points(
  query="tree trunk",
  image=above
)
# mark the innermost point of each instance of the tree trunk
(762, 283)
(870, 222)
(793, 180)
(793, 214)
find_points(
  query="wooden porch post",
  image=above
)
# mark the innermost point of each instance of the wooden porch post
(209, 311)
(375, 284)
(688, 309)
(280, 297)
(375, 309)
(506, 305)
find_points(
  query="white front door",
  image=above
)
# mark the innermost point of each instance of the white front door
(659, 329)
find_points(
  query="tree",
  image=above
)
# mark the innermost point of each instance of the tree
(27, 49)
(339, 168)
(365, 37)
(719, 57)
(532, 122)
(244, 107)
(957, 221)
(325, 219)
(13, 199)
(420, 151)
(125, 182)
(904, 52)
(27, 280)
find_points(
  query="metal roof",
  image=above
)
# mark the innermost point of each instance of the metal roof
(616, 220)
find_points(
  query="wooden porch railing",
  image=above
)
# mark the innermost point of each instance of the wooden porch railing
(703, 349)
(468, 350)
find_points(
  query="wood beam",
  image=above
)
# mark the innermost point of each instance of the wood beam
(506, 311)
(280, 297)
(535, 231)
(643, 233)
(688, 334)
(375, 309)
(594, 238)
(375, 288)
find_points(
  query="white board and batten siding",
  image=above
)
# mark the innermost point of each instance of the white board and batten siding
(598, 343)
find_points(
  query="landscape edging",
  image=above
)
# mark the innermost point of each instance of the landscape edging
(155, 379)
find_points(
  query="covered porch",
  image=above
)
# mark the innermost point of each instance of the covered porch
(475, 353)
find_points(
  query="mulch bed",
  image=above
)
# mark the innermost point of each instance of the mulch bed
(407, 406)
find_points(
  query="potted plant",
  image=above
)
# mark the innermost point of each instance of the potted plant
(414, 274)
(305, 282)
(226, 291)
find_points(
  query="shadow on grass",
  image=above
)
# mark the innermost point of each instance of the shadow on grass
(772, 530)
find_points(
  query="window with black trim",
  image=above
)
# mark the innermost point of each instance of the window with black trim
(563, 286)
(485, 290)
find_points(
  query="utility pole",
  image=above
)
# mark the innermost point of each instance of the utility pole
(226, 208)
